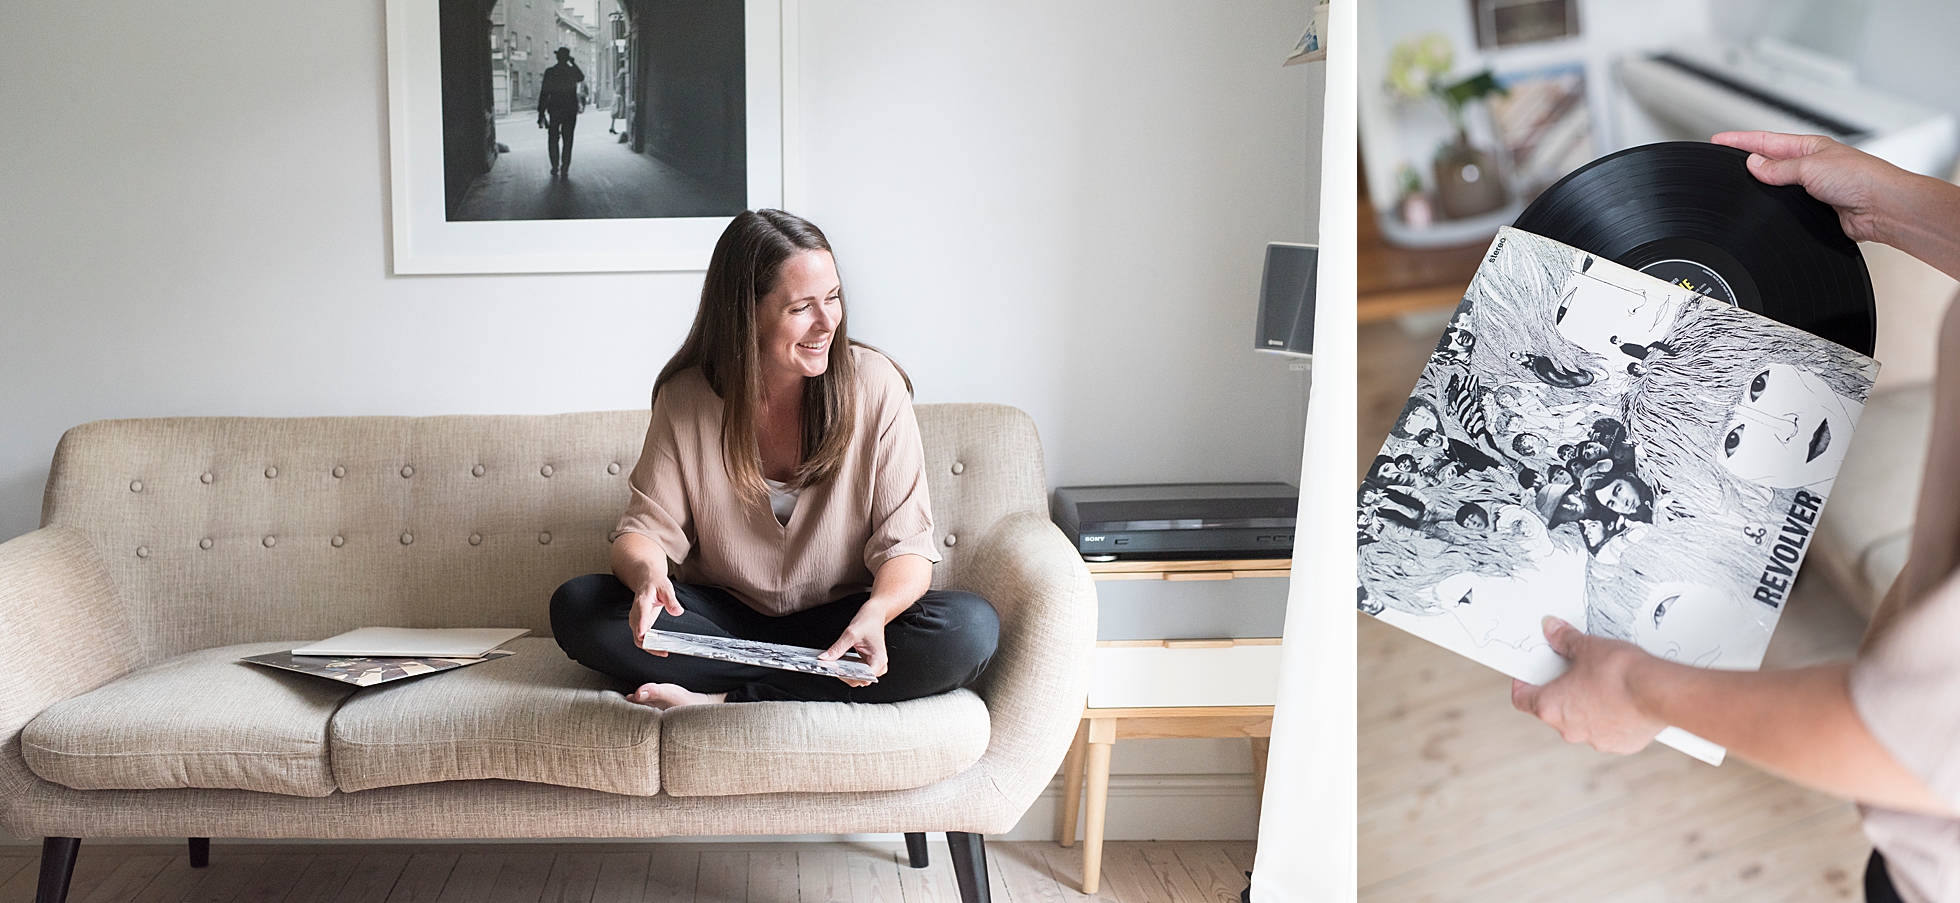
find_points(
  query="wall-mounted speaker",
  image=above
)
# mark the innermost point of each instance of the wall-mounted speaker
(1286, 300)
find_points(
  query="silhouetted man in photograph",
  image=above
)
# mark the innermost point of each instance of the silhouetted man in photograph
(558, 107)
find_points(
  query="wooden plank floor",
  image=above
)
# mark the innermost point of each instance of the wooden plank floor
(1463, 799)
(1021, 872)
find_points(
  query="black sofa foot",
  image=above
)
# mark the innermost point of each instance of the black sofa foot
(57, 867)
(915, 850)
(969, 865)
(200, 852)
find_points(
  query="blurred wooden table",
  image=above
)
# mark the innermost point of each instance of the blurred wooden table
(1395, 281)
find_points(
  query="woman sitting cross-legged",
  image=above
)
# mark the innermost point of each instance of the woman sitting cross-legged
(783, 471)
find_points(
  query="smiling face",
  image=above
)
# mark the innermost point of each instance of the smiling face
(795, 321)
(1788, 429)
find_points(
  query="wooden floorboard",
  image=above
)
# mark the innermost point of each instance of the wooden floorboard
(724, 878)
(1519, 815)
(762, 871)
(573, 878)
(522, 878)
(324, 878)
(423, 878)
(672, 872)
(824, 876)
(874, 879)
(772, 877)
(622, 878)
(1025, 873)
(129, 879)
(473, 878)
(374, 878)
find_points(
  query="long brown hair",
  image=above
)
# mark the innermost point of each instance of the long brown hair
(746, 263)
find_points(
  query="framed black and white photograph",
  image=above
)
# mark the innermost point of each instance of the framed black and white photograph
(535, 136)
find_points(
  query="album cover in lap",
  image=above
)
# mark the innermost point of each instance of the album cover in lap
(1593, 443)
(753, 652)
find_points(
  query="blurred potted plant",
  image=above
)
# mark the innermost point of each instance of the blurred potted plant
(1467, 183)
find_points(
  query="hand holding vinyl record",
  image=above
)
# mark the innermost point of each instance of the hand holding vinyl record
(1849, 180)
(1592, 702)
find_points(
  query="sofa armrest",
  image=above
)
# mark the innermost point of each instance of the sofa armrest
(1039, 677)
(65, 633)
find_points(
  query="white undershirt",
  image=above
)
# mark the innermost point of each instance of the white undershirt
(782, 500)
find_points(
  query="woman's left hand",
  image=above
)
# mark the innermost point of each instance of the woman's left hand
(866, 635)
(1593, 702)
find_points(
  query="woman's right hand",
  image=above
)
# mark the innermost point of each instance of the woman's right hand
(648, 603)
(1858, 185)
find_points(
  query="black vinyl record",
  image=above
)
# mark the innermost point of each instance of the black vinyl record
(1686, 210)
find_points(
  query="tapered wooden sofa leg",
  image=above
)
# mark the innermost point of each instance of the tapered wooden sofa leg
(200, 852)
(915, 850)
(57, 867)
(969, 865)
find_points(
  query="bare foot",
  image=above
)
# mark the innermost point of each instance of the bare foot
(667, 696)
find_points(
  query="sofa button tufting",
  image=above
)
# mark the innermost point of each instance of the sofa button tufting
(270, 541)
(142, 551)
(958, 468)
(476, 471)
(271, 472)
(204, 478)
(476, 539)
(135, 485)
(337, 541)
(545, 470)
(613, 468)
(339, 471)
(407, 538)
(544, 539)
(951, 539)
(408, 470)
(204, 543)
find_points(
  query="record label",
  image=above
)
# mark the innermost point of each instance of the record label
(1688, 210)
(1693, 277)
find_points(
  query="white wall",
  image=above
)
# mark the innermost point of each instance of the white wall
(1060, 209)
(1056, 206)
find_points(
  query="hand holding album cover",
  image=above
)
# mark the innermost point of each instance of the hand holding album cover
(1597, 444)
(752, 652)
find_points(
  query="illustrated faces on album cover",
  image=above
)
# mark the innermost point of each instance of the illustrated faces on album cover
(1622, 452)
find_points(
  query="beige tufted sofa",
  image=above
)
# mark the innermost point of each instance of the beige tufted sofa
(170, 548)
(1861, 544)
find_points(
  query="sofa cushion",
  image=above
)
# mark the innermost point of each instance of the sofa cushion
(1882, 564)
(820, 747)
(1871, 504)
(202, 719)
(533, 716)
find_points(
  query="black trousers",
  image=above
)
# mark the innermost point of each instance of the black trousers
(559, 128)
(1878, 882)
(943, 642)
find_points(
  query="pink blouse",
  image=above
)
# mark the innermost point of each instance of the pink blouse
(874, 509)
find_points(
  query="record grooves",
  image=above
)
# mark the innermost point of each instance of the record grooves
(1687, 210)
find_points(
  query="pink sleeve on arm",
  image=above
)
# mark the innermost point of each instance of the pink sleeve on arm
(658, 508)
(901, 506)
(1906, 689)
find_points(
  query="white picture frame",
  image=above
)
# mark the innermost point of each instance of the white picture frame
(425, 241)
